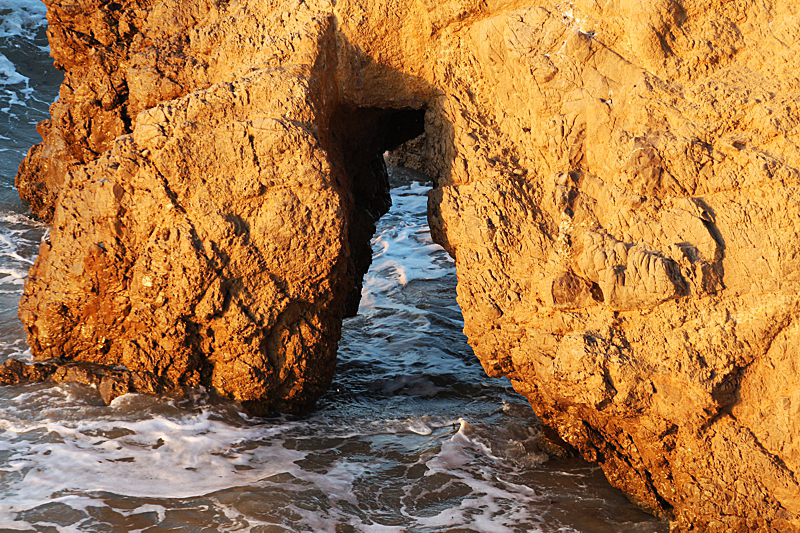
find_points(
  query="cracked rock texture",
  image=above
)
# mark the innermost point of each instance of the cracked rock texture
(618, 182)
(217, 237)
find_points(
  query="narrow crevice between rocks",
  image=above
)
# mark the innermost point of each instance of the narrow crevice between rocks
(363, 135)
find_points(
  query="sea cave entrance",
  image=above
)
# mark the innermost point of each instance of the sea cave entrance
(363, 135)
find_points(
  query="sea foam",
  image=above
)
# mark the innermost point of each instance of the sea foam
(9, 74)
(403, 250)
(22, 18)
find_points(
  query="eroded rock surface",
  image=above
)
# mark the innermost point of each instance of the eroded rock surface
(622, 203)
(618, 182)
(220, 241)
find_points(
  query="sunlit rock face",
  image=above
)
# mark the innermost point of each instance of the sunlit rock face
(220, 234)
(617, 181)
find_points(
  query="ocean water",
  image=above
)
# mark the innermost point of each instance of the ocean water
(412, 436)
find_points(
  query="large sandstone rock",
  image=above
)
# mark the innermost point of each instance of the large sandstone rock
(221, 242)
(617, 181)
(622, 204)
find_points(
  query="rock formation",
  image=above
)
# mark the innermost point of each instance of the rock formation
(219, 242)
(618, 182)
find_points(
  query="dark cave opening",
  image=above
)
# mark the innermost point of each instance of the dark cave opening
(363, 135)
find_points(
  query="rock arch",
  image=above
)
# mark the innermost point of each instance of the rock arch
(615, 195)
(223, 240)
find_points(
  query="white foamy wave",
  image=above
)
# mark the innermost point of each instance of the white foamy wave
(403, 250)
(420, 425)
(15, 347)
(155, 458)
(73, 465)
(20, 236)
(63, 457)
(9, 74)
(491, 504)
(19, 243)
(22, 18)
(66, 460)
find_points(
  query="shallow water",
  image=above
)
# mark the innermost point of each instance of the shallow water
(412, 436)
